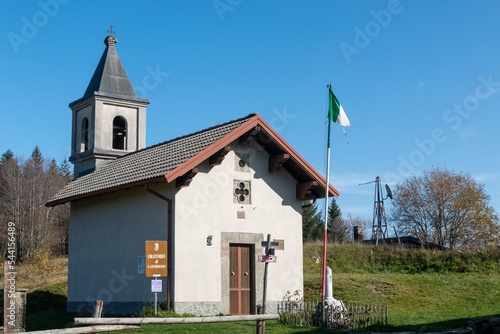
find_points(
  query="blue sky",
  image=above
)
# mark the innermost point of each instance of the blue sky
(419, 80)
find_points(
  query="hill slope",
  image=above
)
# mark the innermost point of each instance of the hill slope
(424, 290)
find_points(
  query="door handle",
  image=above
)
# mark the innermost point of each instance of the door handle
(232, 273)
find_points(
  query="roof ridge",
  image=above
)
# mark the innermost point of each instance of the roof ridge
(158, 160)
(190, 134)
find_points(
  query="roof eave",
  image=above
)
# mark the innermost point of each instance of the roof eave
(212, 149)
(103, 191)
(237, 133)
(108, 96)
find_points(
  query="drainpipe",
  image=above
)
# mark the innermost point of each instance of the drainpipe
(169, 241)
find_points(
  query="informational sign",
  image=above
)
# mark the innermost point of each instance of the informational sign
(156, 285)
(156, 258)
(270, 244)
(141, 264)
(267, 258)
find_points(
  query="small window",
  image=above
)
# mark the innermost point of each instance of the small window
(242, 163)
(119, 133)
(241, 192)
(84, 139)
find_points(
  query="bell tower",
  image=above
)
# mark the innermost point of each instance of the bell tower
(109, 121)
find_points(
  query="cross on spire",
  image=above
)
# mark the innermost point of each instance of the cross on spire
(110, 40)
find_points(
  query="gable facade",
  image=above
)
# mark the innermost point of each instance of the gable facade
(213, 195)
(107, 235)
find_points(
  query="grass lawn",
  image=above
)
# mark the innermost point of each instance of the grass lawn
(424, 302)
(421, 302)
(272, 326)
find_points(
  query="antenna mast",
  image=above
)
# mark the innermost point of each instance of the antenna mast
(379, 222)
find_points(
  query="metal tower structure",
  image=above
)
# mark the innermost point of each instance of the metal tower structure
(379, 221)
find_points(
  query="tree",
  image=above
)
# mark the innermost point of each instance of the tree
(312, 224)
(364, 225)
(11, 198)
(338, 230)
(450, 209)
(25, 186)
(64, 169)
(6, 156)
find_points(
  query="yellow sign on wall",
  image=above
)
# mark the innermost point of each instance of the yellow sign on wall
(156, 258)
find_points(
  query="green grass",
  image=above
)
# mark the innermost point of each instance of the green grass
(431, 301)
(425, 291)
(46, 308)
(273, 327)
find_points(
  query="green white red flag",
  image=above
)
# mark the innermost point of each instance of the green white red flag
(335, 111)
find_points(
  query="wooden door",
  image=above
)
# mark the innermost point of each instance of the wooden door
(241, 281)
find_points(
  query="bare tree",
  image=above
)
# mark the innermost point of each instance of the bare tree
(25, 186)
(11, 194)
(365, 224)
(450, 209)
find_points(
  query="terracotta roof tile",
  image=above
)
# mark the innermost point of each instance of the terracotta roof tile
(147, 164)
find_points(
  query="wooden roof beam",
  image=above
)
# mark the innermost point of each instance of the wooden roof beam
(249, 136)
(275, 162)
(304, 190)
(217, 158)
(185, 180)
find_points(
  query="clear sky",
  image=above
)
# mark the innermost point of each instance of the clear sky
(419, 80)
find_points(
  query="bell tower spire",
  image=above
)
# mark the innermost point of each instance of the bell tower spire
(109, 121)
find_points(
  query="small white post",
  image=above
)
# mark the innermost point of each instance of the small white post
(156, 303)
(329, 286)
(156, 288)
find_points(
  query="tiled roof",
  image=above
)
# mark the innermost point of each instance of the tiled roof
(110, 76)
(147, 164)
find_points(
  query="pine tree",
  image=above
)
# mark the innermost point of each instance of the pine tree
(37, 158)
(312, 224)
(25, 186)
(8, 155)
(64, 169)
(337, 229)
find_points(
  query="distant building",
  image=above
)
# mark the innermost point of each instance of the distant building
(407, 242)
(213, 195)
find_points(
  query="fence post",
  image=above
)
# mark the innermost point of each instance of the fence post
(98, 308)
(261, 324)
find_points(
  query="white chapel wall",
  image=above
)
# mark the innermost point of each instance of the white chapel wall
(107, 234)
(206, 208)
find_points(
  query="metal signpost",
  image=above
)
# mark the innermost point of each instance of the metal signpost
(156, 286)
(267, 258)
(156, 265)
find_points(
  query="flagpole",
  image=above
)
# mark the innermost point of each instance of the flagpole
(325, 230)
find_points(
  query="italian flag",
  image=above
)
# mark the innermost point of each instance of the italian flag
(335, 111)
